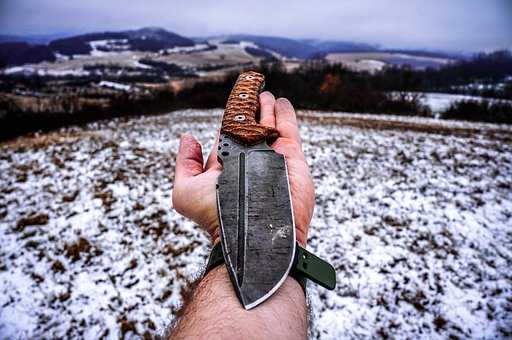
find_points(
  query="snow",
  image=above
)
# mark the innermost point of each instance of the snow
(439, 102)
(114, 85)
(113, 45)
(245, 44)
(28, 70)
(18, 69)
(417, 225)
(185, 49)
(376, 64)
(138, 64)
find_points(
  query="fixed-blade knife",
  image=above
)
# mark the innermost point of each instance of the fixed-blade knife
(254, 203)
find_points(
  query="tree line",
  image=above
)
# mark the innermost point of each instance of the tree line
(315, 85)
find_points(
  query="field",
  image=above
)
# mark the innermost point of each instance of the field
(415, 214)
(375, 61)
(223, 58)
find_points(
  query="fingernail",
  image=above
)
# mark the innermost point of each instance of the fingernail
(267, 93)
(283, 101)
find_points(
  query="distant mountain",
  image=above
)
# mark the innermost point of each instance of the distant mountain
(285, 46)
(19, 50)
(332, 46)
(19, 53)
(80, 44)
(431, 54)
(149, 39)
(301, 48)
(34, 39)
(15, 50)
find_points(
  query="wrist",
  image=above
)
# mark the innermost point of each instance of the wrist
(214, 233)
(291, 287)
(216, 259)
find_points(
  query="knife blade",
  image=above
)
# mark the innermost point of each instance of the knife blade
(253, 198)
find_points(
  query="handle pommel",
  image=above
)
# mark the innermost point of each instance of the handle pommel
(241, 111)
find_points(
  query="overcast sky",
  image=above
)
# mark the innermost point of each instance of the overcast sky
(468, 25)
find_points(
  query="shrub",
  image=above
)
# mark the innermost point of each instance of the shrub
(480, 111)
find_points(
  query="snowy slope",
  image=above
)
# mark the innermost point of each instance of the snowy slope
(440, 102)
(417, 224)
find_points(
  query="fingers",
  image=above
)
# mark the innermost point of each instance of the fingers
(286, 120)
(267, 102)
(212, 162)
(290, 148)
(189, 161)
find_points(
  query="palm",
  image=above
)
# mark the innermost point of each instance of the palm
(194, 187)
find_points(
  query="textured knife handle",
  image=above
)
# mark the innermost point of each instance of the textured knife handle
(241, 111)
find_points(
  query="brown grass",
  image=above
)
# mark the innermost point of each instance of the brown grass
(429, 127)
(33, 219)
(74, 250)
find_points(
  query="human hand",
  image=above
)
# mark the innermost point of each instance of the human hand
(194, 193)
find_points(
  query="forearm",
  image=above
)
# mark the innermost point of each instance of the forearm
(215, 312)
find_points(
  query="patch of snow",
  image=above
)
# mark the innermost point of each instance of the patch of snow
(28, 70)
(251, 44)
(112, 45)
(184, 49)
(18, 69)
(114, 85)
(439, 102)
(69, 72)
(138, 64)
(61, 57)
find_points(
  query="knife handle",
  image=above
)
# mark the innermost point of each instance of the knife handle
(241, 111)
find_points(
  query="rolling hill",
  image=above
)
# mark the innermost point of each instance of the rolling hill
(149, 39)
(20, 50)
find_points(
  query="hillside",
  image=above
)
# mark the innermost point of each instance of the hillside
(159, 40)
(413, 213)
(149, 39)
(301, 48)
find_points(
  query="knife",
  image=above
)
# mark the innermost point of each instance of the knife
(254, 203)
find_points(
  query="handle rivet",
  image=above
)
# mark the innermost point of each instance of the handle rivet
(239, 118)
(249, 77)
(243, 95)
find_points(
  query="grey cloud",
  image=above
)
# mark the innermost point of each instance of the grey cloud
(454, 25)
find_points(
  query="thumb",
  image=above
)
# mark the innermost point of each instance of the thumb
(189, 161)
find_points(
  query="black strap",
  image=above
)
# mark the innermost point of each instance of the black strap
(215, 259)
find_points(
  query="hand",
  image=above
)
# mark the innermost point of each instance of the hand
(194, 194)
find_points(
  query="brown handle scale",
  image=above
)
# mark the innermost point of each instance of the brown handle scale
(243, 104)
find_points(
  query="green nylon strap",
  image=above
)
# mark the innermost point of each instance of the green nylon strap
(306, 265)
(314, 268)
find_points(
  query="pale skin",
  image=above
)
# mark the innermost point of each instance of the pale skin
(214, 311)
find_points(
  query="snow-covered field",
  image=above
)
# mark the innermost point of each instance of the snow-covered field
(376, 61)
(439, 102)
(227, 56)
(418, 225)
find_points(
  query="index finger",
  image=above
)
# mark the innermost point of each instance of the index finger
(212, 162)
(286, 120)
(267, 102)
